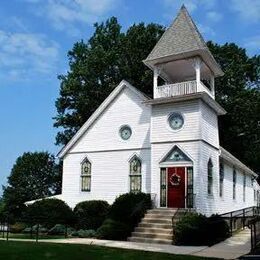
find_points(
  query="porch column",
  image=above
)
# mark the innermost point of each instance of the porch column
(212, 84)
(196, 62)
(156, 73)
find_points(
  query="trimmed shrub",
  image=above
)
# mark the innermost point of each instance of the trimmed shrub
(113, 230)
(87, 233)
(17, 227)
(129, 208)
(191, 230)
(60, 229)
(219, 229)
(91, 214)
(34, 229)
(49, 212)
(196, 229)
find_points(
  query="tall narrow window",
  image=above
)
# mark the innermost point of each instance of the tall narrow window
(234, 183)
(221, 178)
(86, 175)
(135, 174)
(190, 195)
(244, 187)
(210, 177)
(163, 188)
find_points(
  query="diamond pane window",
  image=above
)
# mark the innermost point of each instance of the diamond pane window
(86, 175)
(135, 174)
(163, 188)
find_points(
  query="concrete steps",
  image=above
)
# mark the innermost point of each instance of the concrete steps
(155, 227)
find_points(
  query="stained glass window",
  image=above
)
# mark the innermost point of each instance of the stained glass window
(86, 175)
(210, 177)
(221, 178)
(135, 174)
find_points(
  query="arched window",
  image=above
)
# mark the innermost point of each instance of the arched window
(135, 174)
(86, 175)
(234, 182)
(210, 177)
(221, 178)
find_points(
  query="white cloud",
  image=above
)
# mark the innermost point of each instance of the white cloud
(214, 16)
(248, 10)
(252, 44)
(23, 55)
(66, 14)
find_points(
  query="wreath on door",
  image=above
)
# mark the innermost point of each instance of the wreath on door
(175, 180)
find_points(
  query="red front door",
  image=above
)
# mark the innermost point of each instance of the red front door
(176, 187)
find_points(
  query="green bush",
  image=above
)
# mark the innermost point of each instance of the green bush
(196, 229)
(129, 208)
(17, 227)
(113, 230)
(91, 214)
(219, 229)
(60, 229)
(33, 229)
(49, 212)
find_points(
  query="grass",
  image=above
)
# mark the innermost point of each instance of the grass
(29, 251)
(28, 236)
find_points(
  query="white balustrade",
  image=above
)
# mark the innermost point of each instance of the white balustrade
(181, 88)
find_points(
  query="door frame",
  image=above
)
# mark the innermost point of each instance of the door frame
(174, 166)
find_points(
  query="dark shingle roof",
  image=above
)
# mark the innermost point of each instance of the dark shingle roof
(182, 36)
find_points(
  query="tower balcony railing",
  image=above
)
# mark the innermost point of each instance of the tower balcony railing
(182, 88)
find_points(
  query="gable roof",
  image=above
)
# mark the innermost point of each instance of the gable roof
(180, 38)
(123, 84)
(225, 155)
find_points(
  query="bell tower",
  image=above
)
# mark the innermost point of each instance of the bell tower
(184, 116)
(182, 60)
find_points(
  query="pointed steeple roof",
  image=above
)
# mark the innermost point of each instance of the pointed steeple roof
(180, 39)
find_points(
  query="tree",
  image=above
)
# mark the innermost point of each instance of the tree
(109, 56)
(238, 92)
(33, 176)
(97, 67)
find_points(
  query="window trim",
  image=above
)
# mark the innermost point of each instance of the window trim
(210, 177)
(234, 182)
(133, 175)
(221, 178)
(86, 176)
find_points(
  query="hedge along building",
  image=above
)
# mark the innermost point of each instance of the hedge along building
(167, 146)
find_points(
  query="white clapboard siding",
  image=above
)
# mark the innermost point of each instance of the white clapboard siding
(126, 109)
(109, 177)
(160, 129)
(209, 125)
(108, 153)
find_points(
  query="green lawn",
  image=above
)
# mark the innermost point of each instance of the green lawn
(38, 251)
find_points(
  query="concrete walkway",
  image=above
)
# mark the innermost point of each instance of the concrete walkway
(231, 248)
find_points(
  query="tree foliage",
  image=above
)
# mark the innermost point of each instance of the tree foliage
(110, 55)
(49, 212)
(96, 68)
(33, 176)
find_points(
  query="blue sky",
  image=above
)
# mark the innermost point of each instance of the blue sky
(35, 36)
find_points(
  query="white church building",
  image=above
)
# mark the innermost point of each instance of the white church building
(167, 146)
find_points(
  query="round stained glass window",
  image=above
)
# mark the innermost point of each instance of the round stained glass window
(125, 132)
(176, 121)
